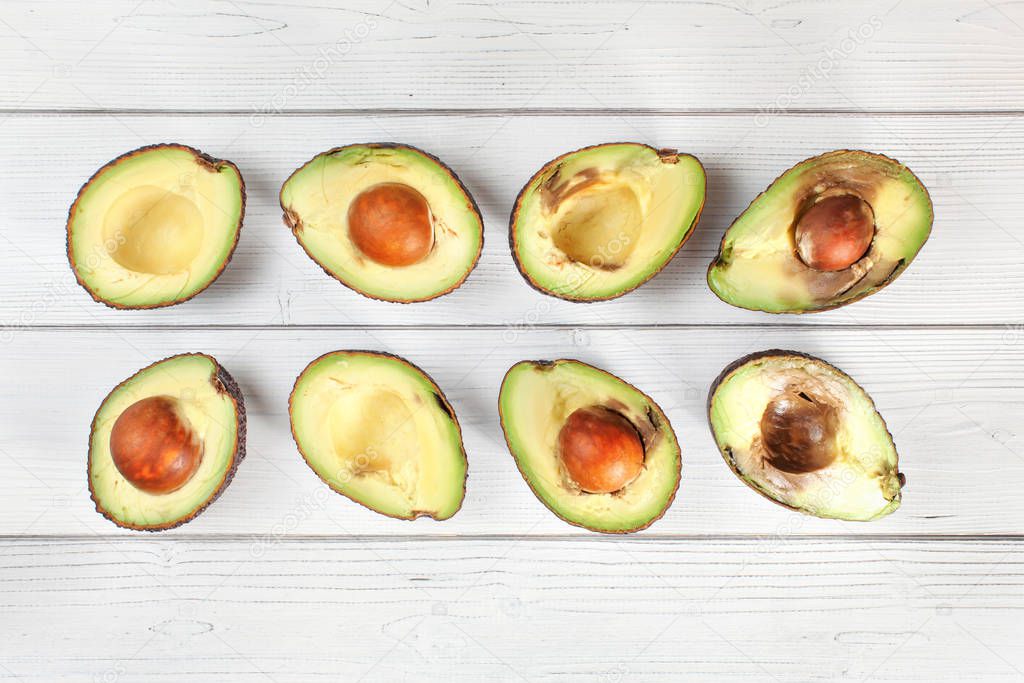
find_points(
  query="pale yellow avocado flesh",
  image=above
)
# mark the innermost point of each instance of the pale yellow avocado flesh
(155, 226)
(535, 400)
(212, 415)
(379, 431)
(316, 199)
(599, 222)
(861, 484)
(758, 268)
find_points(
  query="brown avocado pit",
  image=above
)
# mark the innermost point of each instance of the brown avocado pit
(798, 432)
(154, 447)
(834, 232)
(390, 223)
(601, 450)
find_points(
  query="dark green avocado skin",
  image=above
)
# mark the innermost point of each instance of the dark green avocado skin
(231, 388)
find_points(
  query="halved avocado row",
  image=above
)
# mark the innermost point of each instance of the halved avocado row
(598, 222)
(831, 230)
(598, 452)
(379, 431)
(805, 435)
(155, 226)
(166, 442)
(386, 220)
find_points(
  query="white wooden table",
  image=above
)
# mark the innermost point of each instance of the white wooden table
(281, 580)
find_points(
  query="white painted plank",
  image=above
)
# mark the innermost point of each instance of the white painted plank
(511, 610)
(257, 56)
(952, 399)
(969, 272)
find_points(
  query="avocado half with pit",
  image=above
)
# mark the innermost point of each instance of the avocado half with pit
(595, 450)
(805, 435)
(165, 443)
(599, 222)
(829, 231)
(378, 430)
(388, 221)
(155, 226)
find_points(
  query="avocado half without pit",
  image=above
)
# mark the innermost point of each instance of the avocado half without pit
(378, 430)
(155, 226)
(595, 450)
(805, 435)
(389, 221)
(597, 223)
(165, 443)
(829, 231)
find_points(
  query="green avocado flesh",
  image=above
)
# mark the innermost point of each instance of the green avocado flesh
(155, 226)
(758, 265)
(535, 401)
(377, 430)
(854, 472)
(210, 404)
(317, 197)
(599, 222)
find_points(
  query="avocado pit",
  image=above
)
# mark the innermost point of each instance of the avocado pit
(835, 232)
(600, 449)
(154, 447)
(798, 431)
(390, 223)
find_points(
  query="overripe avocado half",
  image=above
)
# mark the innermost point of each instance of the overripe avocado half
(378, 430)
(155, 226)
(388, 221)
(177, 424)
(829, 231)
(599, 222)
(539, 402)
(805, 435)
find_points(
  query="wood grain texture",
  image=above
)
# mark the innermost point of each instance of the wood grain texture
(511, 610)
(270, 56)
(968, 273)
(952, 400)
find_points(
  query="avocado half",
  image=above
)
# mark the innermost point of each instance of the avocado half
(199, 409)
(805, 435)
(378, 430)
(155, 226)
(539, 404)
(831, 230)
(597, 223)
(386, 220)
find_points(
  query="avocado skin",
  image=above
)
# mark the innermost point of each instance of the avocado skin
(779, 353)
(547, 365)
(204, 159)
(293, 222)
(903, 264)
(439, 396)
(580, 300)
(231, 388)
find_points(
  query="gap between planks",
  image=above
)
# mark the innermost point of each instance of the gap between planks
(327, 327)
(551, 538)
(508, 111)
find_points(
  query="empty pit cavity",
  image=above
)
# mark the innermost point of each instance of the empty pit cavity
(600, 227)
(154, 231)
